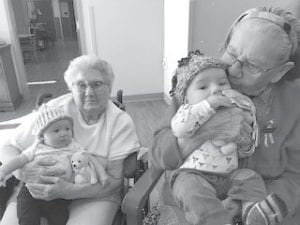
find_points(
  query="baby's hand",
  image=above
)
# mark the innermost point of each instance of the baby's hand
(225, 148)
(217, 101)
(229, 148)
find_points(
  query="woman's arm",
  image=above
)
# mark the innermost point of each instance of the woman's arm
(230, 125)
(287, 185)
(8, 152)
(49, 187)
(13, 164)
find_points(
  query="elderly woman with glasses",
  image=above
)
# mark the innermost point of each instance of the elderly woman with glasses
(103, 129)
(260, 51)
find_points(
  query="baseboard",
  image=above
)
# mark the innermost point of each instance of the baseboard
(142, 97)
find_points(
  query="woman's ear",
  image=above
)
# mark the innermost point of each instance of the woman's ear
(283, 71)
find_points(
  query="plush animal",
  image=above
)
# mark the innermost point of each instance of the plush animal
(84, 171)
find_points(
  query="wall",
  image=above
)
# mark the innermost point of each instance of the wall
(176, 35)
(210, 21)
(129, 35)
(22, 20)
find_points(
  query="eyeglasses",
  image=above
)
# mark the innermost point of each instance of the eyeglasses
(95, 85)
(245, 65)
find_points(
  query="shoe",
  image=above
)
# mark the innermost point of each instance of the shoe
(269, 211)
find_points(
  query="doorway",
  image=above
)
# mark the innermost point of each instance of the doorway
(51, 25)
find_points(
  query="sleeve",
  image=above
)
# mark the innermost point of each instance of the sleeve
(124, 139)
(287, 185)
(165, 152)
(22, 137)
(190, 117)
(30, 152)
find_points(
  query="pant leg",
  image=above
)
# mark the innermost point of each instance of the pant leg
(92, 211)
(56, 211)
(246, 185)
(197, 198)
(6, 192)
(27, 208)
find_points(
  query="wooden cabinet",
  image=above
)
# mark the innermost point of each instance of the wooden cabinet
(10, 96)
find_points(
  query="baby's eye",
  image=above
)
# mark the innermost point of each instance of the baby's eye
(79, 161)
(202, 87)
(68, 129)
(56, 131)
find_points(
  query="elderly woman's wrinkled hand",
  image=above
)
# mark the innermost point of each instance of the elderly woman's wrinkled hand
(48, 188)
(231, 125)
(42, 166)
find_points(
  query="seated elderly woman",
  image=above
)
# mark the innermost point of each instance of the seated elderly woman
(100, 127)
(260, 52)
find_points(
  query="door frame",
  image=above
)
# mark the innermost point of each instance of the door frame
(80, 30)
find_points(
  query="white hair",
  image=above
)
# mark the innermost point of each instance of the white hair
(86, 62)
(290, 39)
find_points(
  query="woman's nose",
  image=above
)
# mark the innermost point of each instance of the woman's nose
(235, 70)
(89, 90)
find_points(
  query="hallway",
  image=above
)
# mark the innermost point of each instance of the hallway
(52, 63)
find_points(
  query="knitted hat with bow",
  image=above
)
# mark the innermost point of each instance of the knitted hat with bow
(46, 116)
(186, 72)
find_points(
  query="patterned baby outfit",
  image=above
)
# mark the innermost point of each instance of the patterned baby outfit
(209, 156)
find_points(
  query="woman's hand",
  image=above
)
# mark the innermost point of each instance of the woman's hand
(234, 207)
(39, 167)
(230, 125)
(49, 188)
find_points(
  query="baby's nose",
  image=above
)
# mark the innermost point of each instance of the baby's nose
(216, 89)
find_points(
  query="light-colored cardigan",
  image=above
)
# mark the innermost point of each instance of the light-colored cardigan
(279, 164)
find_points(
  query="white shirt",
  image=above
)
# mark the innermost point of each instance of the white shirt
(113, 137)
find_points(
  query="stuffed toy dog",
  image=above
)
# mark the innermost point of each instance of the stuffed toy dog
(84, 171)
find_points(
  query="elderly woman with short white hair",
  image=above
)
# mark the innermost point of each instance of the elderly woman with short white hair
(102, 128)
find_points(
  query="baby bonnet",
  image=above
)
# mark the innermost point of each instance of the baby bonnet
(188, 69)
(46, 116)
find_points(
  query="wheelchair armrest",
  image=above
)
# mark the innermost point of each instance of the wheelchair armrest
(137, 197)
(130, 165)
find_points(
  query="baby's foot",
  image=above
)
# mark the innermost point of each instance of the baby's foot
(269, 211)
